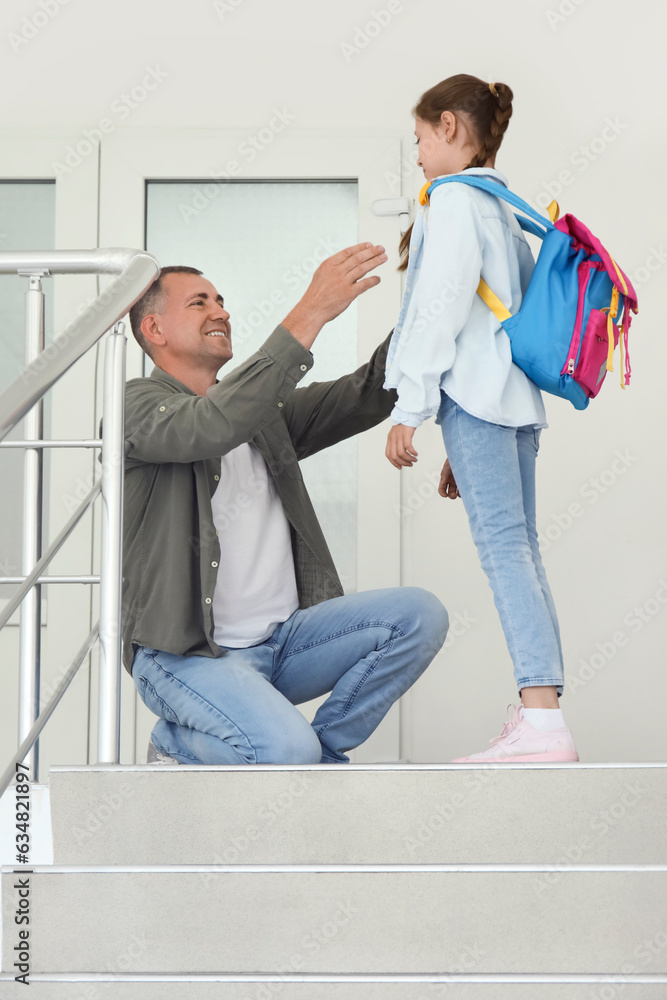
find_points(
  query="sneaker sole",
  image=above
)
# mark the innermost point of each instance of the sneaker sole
(553, 758)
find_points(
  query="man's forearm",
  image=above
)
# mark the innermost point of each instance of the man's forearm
(303, 325)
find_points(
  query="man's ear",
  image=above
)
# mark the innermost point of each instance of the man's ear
(151, 330)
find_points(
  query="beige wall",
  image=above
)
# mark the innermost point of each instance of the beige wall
(589, 119)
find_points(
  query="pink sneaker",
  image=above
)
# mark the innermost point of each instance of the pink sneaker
(519, 741)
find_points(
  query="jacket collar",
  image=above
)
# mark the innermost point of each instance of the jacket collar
(490, 172)
(163, 376)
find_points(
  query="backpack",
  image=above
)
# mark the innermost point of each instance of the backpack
(564, 335)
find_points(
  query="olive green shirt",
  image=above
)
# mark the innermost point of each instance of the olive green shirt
(174, 440)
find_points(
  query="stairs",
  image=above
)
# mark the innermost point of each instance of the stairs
(351, 882)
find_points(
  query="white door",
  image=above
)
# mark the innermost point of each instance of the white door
(202, 198)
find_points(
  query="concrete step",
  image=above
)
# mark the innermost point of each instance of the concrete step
(362, 814)
(345, 920)
(95, 987)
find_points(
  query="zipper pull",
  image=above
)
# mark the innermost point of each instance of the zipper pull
(570, 366)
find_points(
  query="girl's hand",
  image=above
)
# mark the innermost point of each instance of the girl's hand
(400, 451)
(448, 487)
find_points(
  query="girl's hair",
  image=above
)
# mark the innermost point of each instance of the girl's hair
(486, 113)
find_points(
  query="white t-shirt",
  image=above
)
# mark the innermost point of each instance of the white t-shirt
(256, 585)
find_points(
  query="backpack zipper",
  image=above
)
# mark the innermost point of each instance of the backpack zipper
(577, 337)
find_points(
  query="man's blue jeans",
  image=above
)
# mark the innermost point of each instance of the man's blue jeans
(366, 649)
(494, 469)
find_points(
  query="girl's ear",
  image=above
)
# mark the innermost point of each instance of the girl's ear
(448, 123)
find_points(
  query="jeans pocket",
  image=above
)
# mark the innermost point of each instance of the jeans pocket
(153, 701)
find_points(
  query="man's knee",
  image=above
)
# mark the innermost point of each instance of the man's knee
(426, 613)
(298, 745)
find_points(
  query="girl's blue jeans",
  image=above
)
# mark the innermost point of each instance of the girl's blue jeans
(365, 649)
(494, 469)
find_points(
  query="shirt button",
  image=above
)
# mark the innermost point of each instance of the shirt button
(208, 600)
(280, 404)
(214, 564)
(304, 368)
(162, 409)
(216, 478)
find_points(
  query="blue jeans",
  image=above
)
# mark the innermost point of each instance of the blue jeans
(494, 469)
(366, 649)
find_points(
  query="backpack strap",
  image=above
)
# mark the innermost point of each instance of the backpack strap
(500, 191)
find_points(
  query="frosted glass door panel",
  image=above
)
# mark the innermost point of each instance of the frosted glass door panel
(259, 243)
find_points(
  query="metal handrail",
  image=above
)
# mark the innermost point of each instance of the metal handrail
(54, 548)
(134, 271)
(47, 711)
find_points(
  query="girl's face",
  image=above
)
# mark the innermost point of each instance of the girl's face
(436, 155)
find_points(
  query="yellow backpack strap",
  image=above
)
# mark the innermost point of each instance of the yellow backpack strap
(492, 301)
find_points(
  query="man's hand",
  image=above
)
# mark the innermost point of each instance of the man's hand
(448, 487)
(335, 284)
(400, 450)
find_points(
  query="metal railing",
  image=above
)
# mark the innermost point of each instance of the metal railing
(134, 271)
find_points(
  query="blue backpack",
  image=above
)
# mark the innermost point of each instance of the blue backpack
(564, 335)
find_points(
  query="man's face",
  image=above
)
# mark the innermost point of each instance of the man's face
(194, 322)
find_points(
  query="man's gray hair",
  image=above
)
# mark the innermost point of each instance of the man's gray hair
(152, 301)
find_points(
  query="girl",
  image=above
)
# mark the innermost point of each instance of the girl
(449, 356)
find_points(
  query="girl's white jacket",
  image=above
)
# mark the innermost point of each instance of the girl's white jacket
(446, 336)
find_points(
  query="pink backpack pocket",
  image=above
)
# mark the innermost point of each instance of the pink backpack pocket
(591, 366)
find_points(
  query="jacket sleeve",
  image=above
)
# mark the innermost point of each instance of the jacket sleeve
(323, 413)
(446, 286)
(166, 426)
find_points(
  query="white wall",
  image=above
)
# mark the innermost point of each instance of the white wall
(573, 67)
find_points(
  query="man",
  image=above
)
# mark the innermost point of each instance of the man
(229, 624)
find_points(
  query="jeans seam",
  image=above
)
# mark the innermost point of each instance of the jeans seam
(329, 638)
(173, 717)
(208, 704)
(474, 500)
(345, 631)
(357, 688)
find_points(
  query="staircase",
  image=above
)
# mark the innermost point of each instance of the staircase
(350, 882)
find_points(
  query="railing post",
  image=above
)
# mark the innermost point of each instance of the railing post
(113, 452)
(31, 608)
